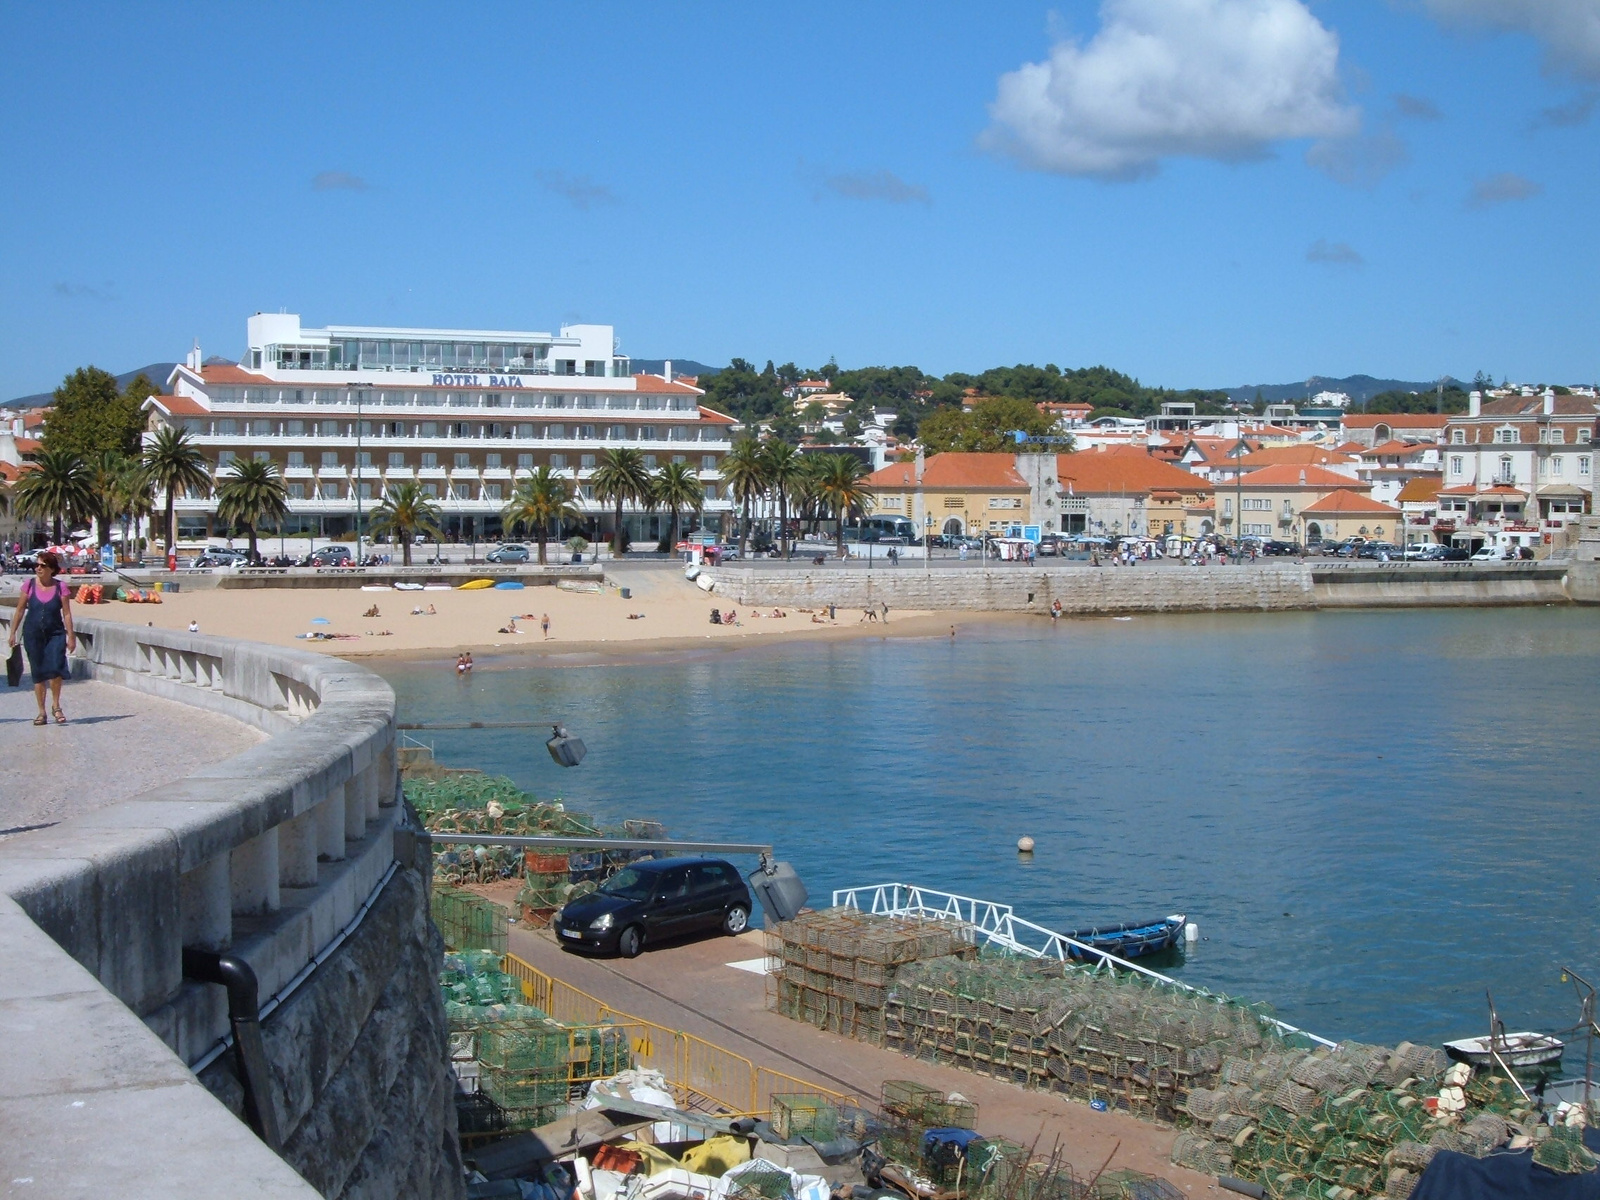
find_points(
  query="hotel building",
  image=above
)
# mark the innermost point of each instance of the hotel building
(347, 411)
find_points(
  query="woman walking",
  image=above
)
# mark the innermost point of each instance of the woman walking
(44, 622)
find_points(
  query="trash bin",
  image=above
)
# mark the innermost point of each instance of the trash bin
(627, 593)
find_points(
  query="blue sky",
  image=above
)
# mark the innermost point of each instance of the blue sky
(1199, 192)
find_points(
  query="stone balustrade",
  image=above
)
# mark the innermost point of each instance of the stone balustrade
(272, 855)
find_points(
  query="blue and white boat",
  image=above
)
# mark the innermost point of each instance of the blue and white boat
(1130, 940)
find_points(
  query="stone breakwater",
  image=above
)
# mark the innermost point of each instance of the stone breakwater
(1085, 590)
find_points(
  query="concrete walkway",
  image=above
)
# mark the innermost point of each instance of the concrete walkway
(116, 743)
(689, 986)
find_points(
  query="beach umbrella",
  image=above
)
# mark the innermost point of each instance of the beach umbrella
(320, 621)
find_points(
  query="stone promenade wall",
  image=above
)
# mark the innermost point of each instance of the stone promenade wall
(284, 855)
(1270, 586)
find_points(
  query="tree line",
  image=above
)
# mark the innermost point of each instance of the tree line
(752, 395)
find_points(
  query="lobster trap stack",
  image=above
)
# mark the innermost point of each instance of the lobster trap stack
(835, 968)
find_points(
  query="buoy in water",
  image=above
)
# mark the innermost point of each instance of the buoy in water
(1191, 932)
(1024, 845)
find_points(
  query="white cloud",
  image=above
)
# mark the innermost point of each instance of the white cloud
(1218, 79)
(1568, 29)
(876, 185)
(1334, 254)
(1501, 189)
(1360, 161)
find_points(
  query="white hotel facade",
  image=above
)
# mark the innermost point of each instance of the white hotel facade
(346, 411)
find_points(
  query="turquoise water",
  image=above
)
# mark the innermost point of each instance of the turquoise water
(1371, 816)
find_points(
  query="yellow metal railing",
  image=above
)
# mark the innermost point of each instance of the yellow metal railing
(701, 1074)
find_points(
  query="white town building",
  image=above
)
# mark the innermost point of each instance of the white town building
(346, 411)
(1517, 470)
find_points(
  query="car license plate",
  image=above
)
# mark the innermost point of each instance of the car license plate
(571, 933)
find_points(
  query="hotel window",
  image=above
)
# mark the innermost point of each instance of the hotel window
(463, 400)
(555, 401)
(524, 462)
(297, 491)
(678, 458)
(227, 428)
(649, 462)
(708, 462)
(890, 501)
(329, 428)
(397, 459)
(330, 491)
(1458, 437)
(261, 428)
(262, 456)
(297, 458)
(711, 491)
(1584, 435)
(677, 433)
(491, 491)
(463, 461)
(429, 459)
(617, 433)
(555, 432)
(224, 457)
(524, 431)
(492, 400)
(585, 432)
(1583, 464)
(1505, 435)
(491, 461)
(458, 429)
(647, 433)
(587, 491)
(586, 462)
(364, 459)
(431, 490)
(558, 462)
(366, 490)
(294, 428)
(461, 491)
(1556, 464)
(1456, 462)
(428, 429)
(584, 401)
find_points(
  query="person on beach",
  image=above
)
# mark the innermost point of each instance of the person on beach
(544, 624)
(194, 626)
(883, 610)
(461, 664)
(46, 631)
(1055, 610)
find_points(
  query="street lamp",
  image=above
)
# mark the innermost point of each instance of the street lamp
(927, 543)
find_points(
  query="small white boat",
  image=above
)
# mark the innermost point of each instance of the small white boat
(408, 587)
(1510, 1049)
(374, 587)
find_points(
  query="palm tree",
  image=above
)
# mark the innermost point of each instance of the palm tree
(744, 469)
(620, 477)
(676, 487)
(405, 511)
(54, 484)
(133, 498)
(105, 469)
(173, 463)
(251, 492)
(807, 497)
(783, 468)
(538, 500)
(841, 485)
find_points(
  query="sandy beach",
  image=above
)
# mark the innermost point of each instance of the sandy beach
(664, 613)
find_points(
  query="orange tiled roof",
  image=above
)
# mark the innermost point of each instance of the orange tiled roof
(1351, 504)
(1395, 446)
(1124, 469)
(715, 417)
(953, 470)
(655, 384)
(181, 406)
(1292, 475)
(1303, 454)
(231, 374)
(1419, 490)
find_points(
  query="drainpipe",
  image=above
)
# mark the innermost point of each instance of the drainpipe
(250, 1051)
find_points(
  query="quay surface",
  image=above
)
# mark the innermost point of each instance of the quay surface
(689, 986)
(115, 745)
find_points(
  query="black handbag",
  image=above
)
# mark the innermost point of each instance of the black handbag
(14, 667)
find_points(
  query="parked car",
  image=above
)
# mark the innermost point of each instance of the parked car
(1490, 554)
(1426, 552)
(511, 552)
(333, 556)
(221, 556)
(656, 900)
(1382, 551)
(1279, 549)
(1454, 554)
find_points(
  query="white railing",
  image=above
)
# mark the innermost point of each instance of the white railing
(998, 925)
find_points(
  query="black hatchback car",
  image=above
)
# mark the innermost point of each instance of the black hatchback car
(656, 900)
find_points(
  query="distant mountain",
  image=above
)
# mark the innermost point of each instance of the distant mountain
(157, 373)
(680, 366)
(1360, 389)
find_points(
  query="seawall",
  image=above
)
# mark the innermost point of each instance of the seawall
(293, 856)
(1084, 590)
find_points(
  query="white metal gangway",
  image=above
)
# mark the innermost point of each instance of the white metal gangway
(998, 925)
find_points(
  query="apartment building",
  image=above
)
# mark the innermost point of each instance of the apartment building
(347, 411)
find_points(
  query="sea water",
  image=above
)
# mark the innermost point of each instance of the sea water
(1373, 817)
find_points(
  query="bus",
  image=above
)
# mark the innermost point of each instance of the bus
(880, 528)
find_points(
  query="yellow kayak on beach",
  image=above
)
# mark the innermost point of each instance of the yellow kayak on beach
(475, 585)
